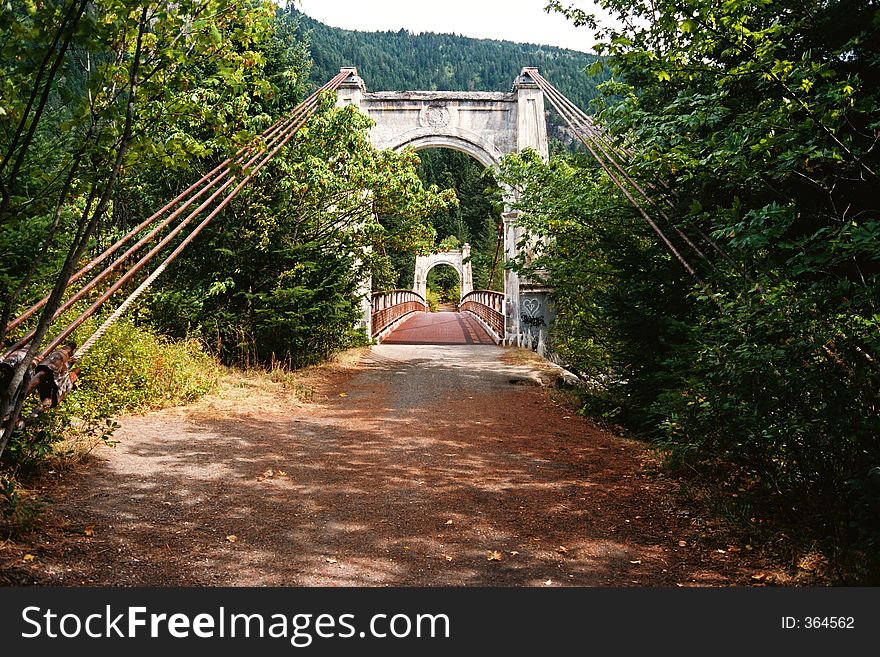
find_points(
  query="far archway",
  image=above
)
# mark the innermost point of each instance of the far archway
(444, 289)
(458, 259)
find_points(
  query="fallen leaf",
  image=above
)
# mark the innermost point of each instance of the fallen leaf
(447, 557)
(449, 522)
(232, 538)
(759, 577)
(811, 562)
(636, 562)
(562, 549)
(28, 557)
(342, 394)
(268, 474)
(493, 555)
(89, 530)
(280, 473)
(682, 544)
(549, 582)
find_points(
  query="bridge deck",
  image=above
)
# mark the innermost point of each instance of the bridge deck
(443, 328)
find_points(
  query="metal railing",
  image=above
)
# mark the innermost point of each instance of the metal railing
(389, 307)
(488, 306)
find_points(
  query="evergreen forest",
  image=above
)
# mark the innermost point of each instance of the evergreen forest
(401, 61)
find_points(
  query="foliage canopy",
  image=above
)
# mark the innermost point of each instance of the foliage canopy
(761, 120)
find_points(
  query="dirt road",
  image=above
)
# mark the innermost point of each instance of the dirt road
(419, 466)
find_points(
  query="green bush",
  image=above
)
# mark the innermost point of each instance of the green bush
(133, 368)
(433, 299)
(130, 369)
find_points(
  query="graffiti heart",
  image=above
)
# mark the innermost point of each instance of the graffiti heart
(532, 307)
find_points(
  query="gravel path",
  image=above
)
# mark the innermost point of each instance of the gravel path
(420, 466)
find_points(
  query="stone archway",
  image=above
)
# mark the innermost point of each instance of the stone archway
(481, 151)
(459, 260)
(486, 126)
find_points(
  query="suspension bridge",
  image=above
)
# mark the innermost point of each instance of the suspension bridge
(500, 487)
(486, 126)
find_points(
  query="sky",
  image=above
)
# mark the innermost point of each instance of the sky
(513, 20)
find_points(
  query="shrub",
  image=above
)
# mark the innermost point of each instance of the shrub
(130, 369)
(17, 512)
(433, 299)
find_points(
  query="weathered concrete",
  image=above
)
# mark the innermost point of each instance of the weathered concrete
(486, 126)
(458, 259)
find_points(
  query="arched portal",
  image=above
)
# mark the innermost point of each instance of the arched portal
(486, 126)
(483, 152)
(458, 260)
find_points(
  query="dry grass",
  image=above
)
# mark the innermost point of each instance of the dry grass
(255, 392)
(518, 356)
(521, 356)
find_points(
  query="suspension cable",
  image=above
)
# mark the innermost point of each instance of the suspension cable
(545, 86)
(283, 139)
(585, 128)
(281, 132)
(587, 132)
(198, 185)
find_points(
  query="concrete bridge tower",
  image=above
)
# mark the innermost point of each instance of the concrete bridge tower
(487, 126)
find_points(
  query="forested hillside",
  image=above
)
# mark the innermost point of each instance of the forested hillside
(399, 61)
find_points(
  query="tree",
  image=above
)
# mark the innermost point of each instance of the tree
(757, 122)
(131, 71)
(278, 279)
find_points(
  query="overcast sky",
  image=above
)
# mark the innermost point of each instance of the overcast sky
(513, 20)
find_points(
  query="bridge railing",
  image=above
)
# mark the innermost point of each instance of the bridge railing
(488, 306)
(389, 307)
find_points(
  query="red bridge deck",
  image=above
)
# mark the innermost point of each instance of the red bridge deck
(439, 328)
